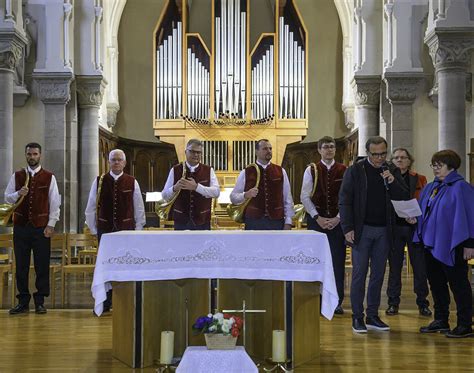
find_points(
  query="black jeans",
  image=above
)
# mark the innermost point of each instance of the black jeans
(264, 224)
(338, 252)
(403, 236)
(27, 239)
(372, 249)
(439, 276)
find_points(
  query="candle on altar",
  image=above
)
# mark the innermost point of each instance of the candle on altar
(279, 346)
(167, 346)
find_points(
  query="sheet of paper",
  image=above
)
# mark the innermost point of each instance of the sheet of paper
(407, 209)
(153, 196)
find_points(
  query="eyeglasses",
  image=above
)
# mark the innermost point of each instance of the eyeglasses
(194, 152)
(436, 166)
(328, 147)
(400, 157)
(116, 160)
(378, 155)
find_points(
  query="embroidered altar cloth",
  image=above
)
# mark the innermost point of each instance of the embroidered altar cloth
(250, 255)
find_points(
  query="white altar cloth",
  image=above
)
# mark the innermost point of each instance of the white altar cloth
(253, 255)
(198, 359)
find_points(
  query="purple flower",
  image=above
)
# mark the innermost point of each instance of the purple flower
(202, 322)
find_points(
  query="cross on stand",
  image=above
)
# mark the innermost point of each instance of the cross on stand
(243, 311)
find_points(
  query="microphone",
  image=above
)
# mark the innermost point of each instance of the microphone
(385, 180)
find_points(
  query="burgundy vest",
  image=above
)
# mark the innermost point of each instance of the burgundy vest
(269, 200)
(35, 205)
(191, 205)
(326, 196)
(116, 212)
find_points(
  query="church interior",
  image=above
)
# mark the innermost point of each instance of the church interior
(84, 77)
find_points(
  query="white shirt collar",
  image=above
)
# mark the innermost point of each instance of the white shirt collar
(263, 165)
(35, 171)
(330, 164)
(115, 176)
(192, 168)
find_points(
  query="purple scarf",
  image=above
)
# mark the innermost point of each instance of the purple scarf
(448, 216)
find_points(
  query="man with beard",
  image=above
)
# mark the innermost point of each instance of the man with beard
(33, 225)
(271, 204)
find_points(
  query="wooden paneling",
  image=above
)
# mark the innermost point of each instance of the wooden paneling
(148, 162)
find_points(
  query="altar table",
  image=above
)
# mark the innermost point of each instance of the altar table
(135, 260)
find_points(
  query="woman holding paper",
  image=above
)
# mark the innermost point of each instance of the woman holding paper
(446, 230)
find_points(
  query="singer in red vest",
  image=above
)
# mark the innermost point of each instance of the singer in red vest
(322, 208)
(33, 225)
(192, 208)
(120, 204)
(271, 204)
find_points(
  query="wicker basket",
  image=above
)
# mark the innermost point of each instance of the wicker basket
(220, 341)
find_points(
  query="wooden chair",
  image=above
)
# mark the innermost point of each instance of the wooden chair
(72, 257)
(6, 262)
(58, 243)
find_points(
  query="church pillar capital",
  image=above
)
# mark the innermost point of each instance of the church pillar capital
(451, 50)
(11, 49)
(401, 88)
(90, 90)
(366, 90)
(53, 88)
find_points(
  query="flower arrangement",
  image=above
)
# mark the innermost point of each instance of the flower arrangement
(219, 323)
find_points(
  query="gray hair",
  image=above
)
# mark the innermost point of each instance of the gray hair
(193, 142)
(118, 151)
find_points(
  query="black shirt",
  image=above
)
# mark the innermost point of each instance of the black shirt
(376, 210)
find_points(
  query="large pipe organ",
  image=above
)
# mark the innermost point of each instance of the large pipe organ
(230, 93)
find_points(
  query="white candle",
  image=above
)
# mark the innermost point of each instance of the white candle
(167, 346)
(279, 346)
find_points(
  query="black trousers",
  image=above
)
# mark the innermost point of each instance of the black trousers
(264, 224)
(403, 235)
(439, 276)
(190, 226)
(338, 252)
(27, 239)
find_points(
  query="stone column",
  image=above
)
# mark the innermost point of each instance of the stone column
(53, 89)
(11, 50)
(90, 89)
(401, 93)
(451, 54)
(367, 99)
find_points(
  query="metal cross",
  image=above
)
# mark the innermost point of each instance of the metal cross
(243, 311)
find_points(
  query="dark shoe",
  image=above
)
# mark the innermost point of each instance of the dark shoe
(40, 309)
(460, 332)
(374, 322)
(339, 310)
(106, 309)
(436, 326)
(392, 310)
(19, 308)
(358, 326)
(425, 311)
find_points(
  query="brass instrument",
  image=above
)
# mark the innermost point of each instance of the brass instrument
(236, 212)
(300, 211)
(7, 209)
(163, 207)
